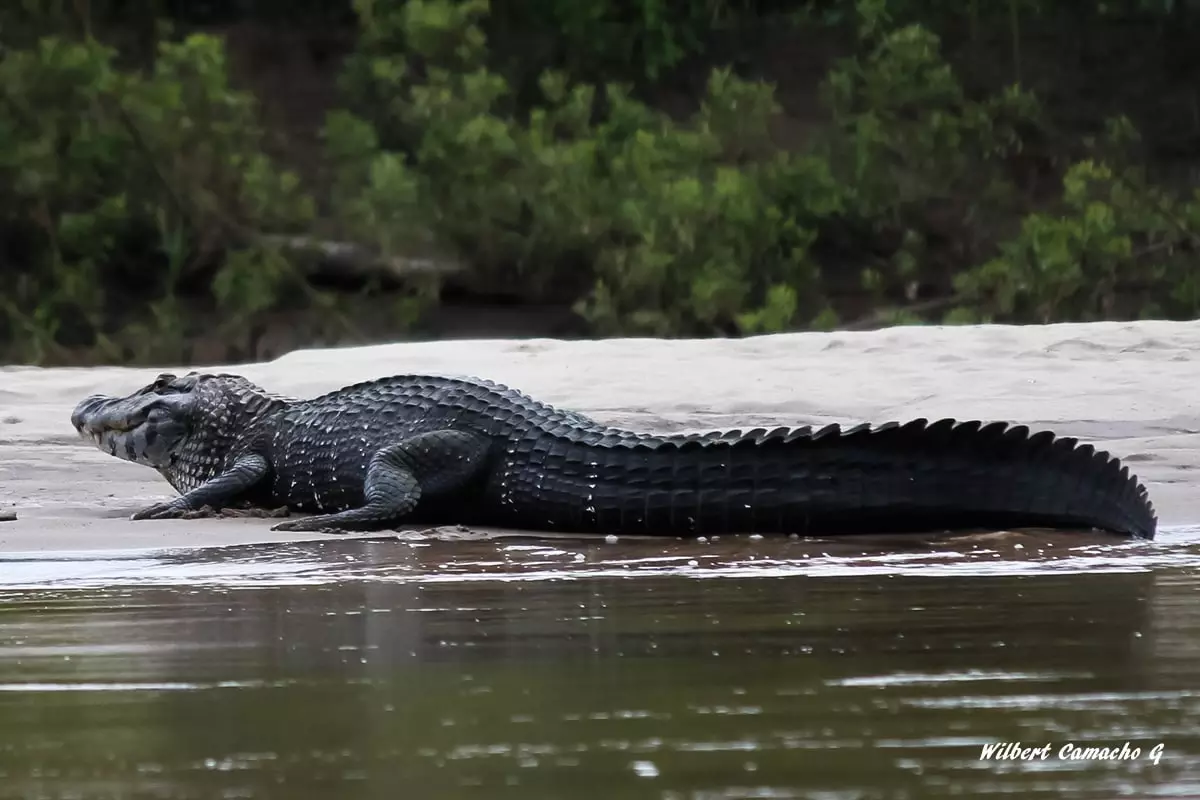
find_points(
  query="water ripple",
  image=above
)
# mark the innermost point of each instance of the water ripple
(432, 560)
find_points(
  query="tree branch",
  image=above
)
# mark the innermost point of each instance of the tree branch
(882, 317)
(348, 258)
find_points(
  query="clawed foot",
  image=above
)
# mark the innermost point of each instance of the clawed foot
(169, 510)
(308, 525)
(238, 513)
(173, 510)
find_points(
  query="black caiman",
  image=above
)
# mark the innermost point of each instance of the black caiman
(422, 448)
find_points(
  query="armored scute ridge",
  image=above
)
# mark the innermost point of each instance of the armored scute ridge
(420, 448)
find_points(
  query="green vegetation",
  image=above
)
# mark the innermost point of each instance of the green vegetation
(145, 203)
(118, 187)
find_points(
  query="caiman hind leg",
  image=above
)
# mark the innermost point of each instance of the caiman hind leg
(245, 472)
(436, 462)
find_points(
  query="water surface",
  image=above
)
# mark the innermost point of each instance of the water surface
(734, 668)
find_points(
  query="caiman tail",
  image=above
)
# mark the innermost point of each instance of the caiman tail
(917, 476)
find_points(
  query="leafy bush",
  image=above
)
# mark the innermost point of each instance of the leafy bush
(552, 184)
(912, 147)
(676, 227)
(646, 37)
(1113, 235)
(111, 177)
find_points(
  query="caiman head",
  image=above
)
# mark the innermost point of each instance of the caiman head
(183, 426)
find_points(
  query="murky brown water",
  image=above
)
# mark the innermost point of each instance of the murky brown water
(735, 668)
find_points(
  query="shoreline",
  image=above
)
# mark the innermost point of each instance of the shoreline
(1124, 387)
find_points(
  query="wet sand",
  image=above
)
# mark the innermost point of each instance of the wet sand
(1125, 387)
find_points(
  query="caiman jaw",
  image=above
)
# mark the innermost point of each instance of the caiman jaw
(98, 414)
(102, 420)
(143, 427)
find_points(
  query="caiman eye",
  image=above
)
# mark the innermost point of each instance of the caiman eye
(165, 384)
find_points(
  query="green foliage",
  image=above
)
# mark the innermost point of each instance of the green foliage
(1112, 233)
(705, 226)
(98, 162)
(611, 35)
(630, 40)
(905, 130)
(521, 137)
(907, 141)
(680, 228)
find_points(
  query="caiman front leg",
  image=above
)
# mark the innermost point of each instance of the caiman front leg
(429, 463)
(245, 472)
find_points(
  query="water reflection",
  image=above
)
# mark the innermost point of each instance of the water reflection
(518, 669)
(420, 558)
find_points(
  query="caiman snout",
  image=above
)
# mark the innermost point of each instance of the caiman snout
(99, 414)
(84, 415)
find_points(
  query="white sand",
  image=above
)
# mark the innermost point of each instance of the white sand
(1126, 386)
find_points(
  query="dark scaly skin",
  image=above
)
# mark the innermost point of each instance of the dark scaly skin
(445, 450)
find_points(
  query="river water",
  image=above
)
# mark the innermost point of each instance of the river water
(560, 668)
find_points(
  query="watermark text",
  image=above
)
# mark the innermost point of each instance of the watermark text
(1019, 751)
